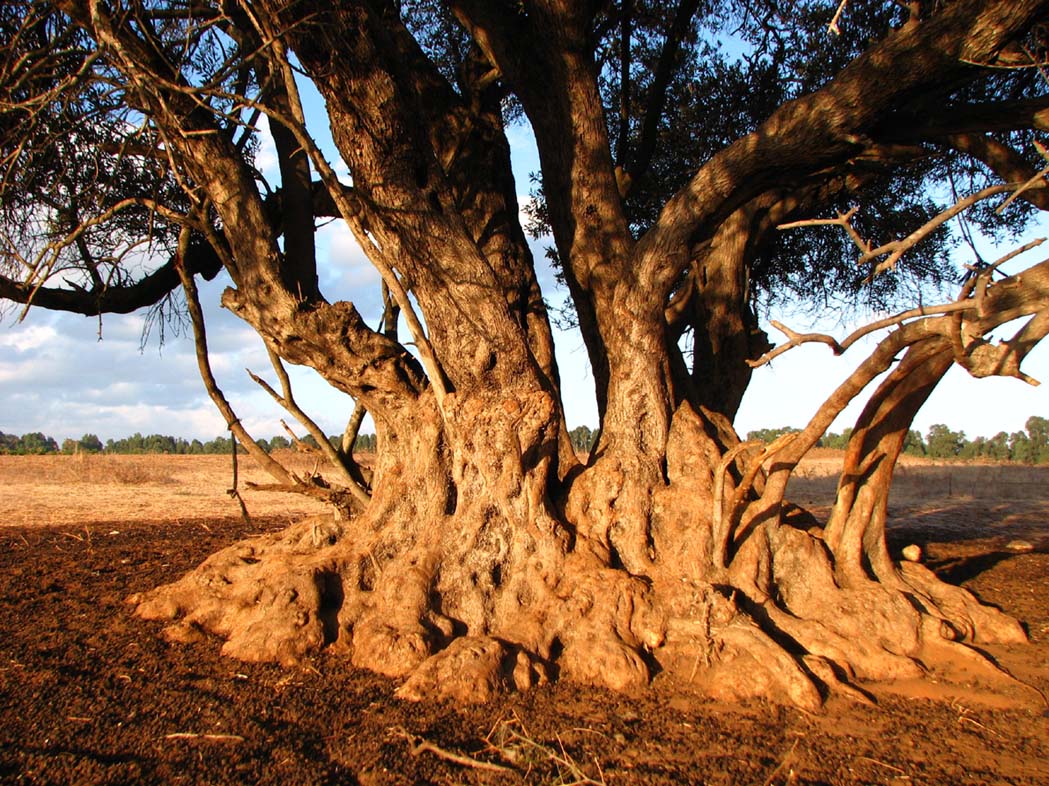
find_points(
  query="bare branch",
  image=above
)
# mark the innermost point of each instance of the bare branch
(287, 400)
(115, 299)
(267, 462)
(964, 303)
(797, 339)
(296, 440)
(898, 248)
(833, 26)
(844, 220)
(1036, 181)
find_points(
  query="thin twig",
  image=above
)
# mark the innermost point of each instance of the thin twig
(783, 763)
(420, 745)
(844, 220)
(233, 491)
(977, 724)
(881, 764)
(189, 735)
(340, 464)
(833, 26)
(267, 462)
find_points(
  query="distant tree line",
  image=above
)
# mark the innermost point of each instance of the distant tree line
(1027, 447)
(36, 443)
(582, 438)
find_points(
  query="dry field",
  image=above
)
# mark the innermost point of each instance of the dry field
(91, 489)
(919, 479)
(91, 695)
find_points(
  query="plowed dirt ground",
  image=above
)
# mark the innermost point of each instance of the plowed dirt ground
(90, 694)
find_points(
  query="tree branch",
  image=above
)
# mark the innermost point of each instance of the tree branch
(832, 124)
(839, 347)
(264, 460)
(657, 96)
(1008, 165)
(894, 250)
(287, 400)
(982, 118)
(124, 299)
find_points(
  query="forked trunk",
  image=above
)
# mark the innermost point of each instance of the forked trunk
(475, 569)
(487, 557)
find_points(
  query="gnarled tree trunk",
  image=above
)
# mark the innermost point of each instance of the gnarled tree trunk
(483, 554)
(475, 568)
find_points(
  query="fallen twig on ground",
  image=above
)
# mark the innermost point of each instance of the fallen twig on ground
(189, 735)
(420, 745)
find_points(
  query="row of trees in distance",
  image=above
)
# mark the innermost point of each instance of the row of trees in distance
(1028, 447)
(941, 442)
(36, 443)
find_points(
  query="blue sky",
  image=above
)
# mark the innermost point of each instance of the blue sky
(57, 377)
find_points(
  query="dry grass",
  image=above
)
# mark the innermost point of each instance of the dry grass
(918, 480)
(90, 469)
(92, 489)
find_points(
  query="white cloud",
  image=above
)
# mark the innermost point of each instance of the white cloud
(33, 337)
(266, 157)
(347, 273)
(57, 377)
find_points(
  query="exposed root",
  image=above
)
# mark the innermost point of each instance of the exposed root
(787, 631)
(755, 665)
(388, 650)
(716, 649)
(272, 598)
(969, 619)
(472, 668)
(827, 673)
(604, 621)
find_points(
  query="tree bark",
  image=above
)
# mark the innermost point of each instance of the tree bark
(487, 557)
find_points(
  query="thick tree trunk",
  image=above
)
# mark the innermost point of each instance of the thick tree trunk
(469, 573)
(726, 332)
(487, 558)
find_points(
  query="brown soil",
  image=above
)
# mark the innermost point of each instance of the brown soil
(90, 694)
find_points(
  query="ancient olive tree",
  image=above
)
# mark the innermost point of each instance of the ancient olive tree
(480, 551)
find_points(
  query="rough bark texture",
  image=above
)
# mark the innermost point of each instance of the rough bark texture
(466, 576)
(488, 556)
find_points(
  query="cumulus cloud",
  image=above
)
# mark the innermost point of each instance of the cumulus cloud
(57, 377)
(31, 338)
(346, 272)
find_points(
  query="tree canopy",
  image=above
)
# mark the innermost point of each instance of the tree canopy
(697, 161)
